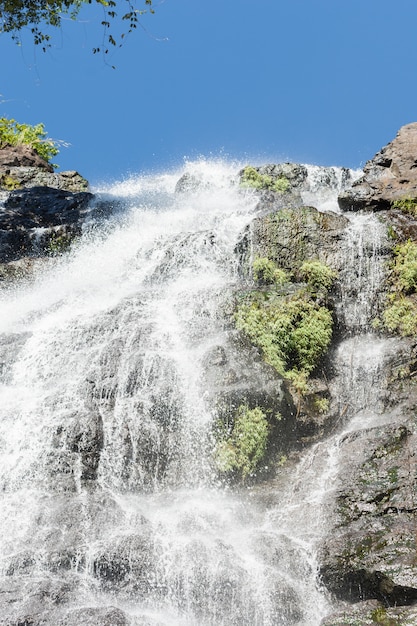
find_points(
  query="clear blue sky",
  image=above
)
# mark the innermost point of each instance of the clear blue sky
(318, 81)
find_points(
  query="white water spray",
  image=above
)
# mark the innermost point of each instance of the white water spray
(108, 496)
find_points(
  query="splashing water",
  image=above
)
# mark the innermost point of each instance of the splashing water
(108, 496)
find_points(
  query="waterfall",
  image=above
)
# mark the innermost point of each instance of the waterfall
(109, 501)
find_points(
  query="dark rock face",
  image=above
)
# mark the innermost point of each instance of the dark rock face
(43, 207)
(58, 212)
(371, 555)
(390, 175)
(42, 210)
(235, 375)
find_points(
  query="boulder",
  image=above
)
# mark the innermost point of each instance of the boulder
(370, 554)
(389, 176)
(291, 236)
(31, 218)
(12, 178)
(22, 156)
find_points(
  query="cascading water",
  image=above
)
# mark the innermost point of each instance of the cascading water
(109, 501)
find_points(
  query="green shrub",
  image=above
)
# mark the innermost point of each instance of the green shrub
(321, 404)
(12, 133)
(8, 183)
(319, 276)
(59, 243)
(401, 315)
(252, 178)
(406, 205)
(311, 336)
(292, 334)
(245, 446)
(405, 267)
(281, 184)
(266, 272)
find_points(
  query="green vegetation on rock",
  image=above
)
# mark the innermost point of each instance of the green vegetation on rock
(321, 404)
(13, 133)
(400, 314)
(293, 333)
(243, 448)
(406, 205)
(319, 276)
(266, 272)
(8, 183)
(405, 267)
(252, 178)
(59, 243)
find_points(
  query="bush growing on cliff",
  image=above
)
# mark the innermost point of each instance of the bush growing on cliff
(400, 313)
(245, 446)
(401, 316)
(406, 205)
(13, 133)
(266, 272)
(405, 267)
(252, 178)
(319, 276)
(292, 334)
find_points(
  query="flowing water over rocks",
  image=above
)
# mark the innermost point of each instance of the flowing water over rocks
(117, 360)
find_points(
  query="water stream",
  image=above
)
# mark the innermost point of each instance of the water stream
(108, 496)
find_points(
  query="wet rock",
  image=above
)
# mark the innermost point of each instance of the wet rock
(43, 207)
(294, 173)
(371, 552)
(109, 616)
(32, 602)
(33, 218)
(188, 183)
(235, 375)
(12, 178)
(127, 563)
(23, 268)
(371, 612)
(389, 176)
(86, 439)
(295, 177)
(291, 236)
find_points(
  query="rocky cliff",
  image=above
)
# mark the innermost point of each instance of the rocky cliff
(368, 560)
(315, 346)
(41, 211)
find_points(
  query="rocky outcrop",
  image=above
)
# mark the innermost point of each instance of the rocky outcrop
(368, 557)
(22, 167)
(389, 176)
(33, 219)
(23, 156)
(371, 554)
(291, 236)
(42, 210)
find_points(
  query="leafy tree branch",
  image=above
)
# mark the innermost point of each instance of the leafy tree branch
(40, 15)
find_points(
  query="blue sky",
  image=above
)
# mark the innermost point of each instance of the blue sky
(314, 81)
